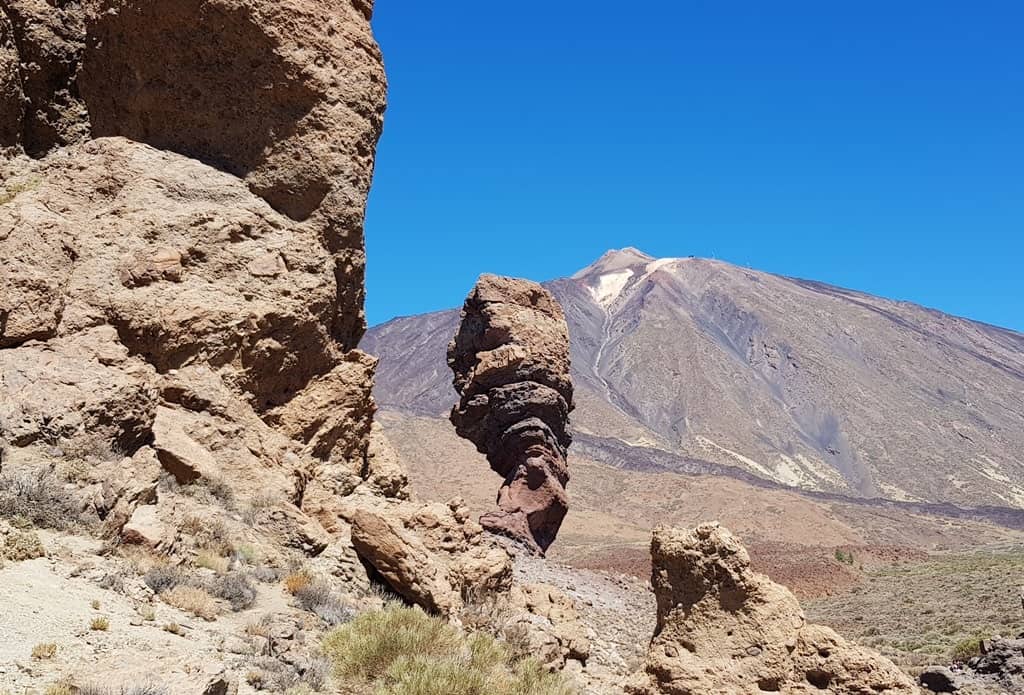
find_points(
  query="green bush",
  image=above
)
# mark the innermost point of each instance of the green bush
(403, 651)
(967, 649)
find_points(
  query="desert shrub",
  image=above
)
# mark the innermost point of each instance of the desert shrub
(112, 581)
(317, 597)
(164, 577)
(146, 689)
(39, 498)
(235, 588)
(100, 624)
(192, 599)
(966, 649)
(61, 687)
(212, 561)
(174, 629)
(23, 545)
(296, 581)
(45, 650)
(147, 613)
(258, 508)
(403, 651)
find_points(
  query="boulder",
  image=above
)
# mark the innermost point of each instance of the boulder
(84, 386)
(430, 554)
(938, 679)
(723, 628)
(555, 632)
(510, 360)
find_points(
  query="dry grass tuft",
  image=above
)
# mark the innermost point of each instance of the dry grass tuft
(23, 545)
(403, 651)
(296, 581)
(100, 624)
(174, 629)
(192, 600)
(212, 561)
(45, 650)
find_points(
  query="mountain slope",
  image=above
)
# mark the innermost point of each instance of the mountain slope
(703, 367)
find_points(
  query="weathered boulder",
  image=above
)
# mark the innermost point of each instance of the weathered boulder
(431, 554)
(49, 36)
(555, 633)
(70, 389)
(510, 359)
(938, 679)
(723, 628)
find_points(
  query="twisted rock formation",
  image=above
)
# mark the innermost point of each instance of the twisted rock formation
(510, 359)
(723, 628)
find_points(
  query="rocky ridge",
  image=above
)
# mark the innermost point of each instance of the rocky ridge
(510, 359)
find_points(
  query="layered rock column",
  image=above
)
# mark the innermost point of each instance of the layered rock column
(510, 359)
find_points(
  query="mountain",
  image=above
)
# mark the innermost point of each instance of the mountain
(697, 366)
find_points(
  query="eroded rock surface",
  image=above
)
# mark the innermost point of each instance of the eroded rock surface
(510, 359)
(723, 628)
(431, 554)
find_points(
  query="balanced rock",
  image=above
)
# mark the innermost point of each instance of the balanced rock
(723, 628)
(510, 359)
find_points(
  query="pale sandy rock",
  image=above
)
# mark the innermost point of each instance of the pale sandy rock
(384, 472)
(431, 554)
(723, 628)
(289, 98)
(557, 634)
(75, 387)
(144, 527)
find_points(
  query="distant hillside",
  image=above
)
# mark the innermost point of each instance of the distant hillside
(699, 366)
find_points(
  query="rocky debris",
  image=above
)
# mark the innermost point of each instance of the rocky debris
(555, 632)
(12, 97)
(999, 668)
(721, 627)
(49, 37)
(510, 359)
(430, 554)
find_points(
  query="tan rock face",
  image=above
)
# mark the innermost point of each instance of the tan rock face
(723, 628)
(511, 364)
(188, 291)
(431, 554)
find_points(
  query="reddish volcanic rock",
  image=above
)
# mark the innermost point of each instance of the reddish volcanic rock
(511, 364)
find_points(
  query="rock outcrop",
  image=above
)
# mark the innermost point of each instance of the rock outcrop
(723, 628)
(431, 554)
(510, 359)
(188, 239)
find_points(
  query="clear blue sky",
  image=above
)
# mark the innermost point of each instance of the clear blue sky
(873, 145)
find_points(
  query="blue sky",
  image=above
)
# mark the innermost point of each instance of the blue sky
(873, 145)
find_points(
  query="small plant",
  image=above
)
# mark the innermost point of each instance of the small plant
(95, 604)
(61, 687)
(99, 624)
(147, 613)
(46, 650)
(846, 558)
(163, 577)
(211, 561)
(967, 649)
(174, 629)
(23, 545)
(235, 588)
(296, 581)
(38, 499)
(403, 651)
(317, 597)
(192, 599)
(123, 690)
